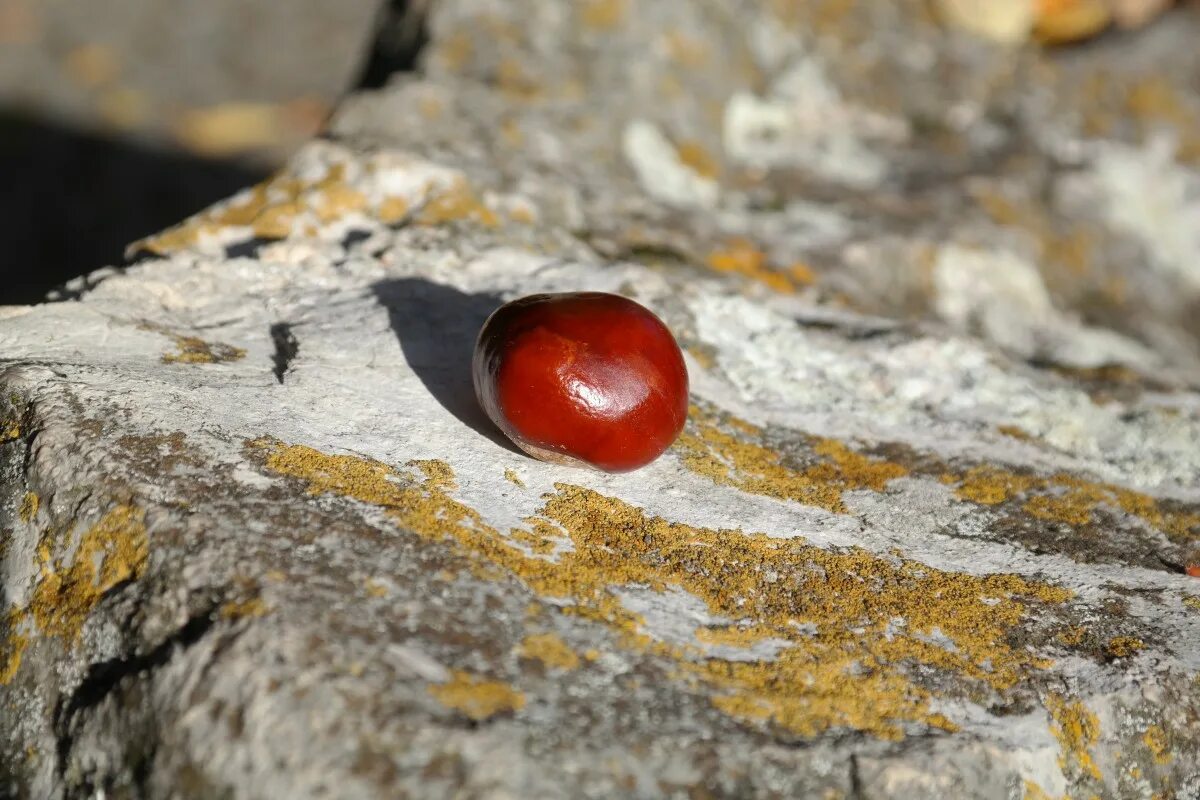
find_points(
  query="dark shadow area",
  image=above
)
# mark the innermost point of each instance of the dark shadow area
(70, 201)
(399, 38)
(437, 326)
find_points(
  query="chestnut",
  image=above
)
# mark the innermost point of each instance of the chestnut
(582, 378)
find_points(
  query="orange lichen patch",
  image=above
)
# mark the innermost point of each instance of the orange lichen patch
(12, 648)
(10, 429)
(1035, 792)
(1069, 246)
(1154, 102)
(1070, 500)
(1123, 646)
(1158, 744)
(1014, 431)
(241, 609)
(192, 350)
(550, 650)
(122, 107)
(734, 635)
(275, 207)
(857, 671)
(1072, 636)
(111, 552)
(458, 202)
(29, 507)
(476, 698)
(743, 258)
(685, 50)
(514, 82)
(1077, 730)
(228, 129)
(709, 449)
(1062, 21)
(603, 14)
(92, 65)
(696, 156)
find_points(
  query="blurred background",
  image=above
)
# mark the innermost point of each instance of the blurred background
(118, 118)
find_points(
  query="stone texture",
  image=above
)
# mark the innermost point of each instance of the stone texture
(215, 78)
(926, 531)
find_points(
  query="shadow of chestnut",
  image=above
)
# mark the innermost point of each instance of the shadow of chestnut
(437, 326)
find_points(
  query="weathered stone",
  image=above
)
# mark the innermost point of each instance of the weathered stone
(924, 535)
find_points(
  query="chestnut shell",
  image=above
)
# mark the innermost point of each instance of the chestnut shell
(583, 378)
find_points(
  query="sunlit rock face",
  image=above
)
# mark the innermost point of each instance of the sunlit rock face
(926, 532)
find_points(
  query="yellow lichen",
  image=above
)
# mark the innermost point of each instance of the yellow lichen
(458, 202)
(12, 649)
(112, 551)
(241, 609)
(376, 588)
(1192, 602)
(742, 257)
(696, 156)
(476, 698)
(1124, 646)
(274, 208)
(550, 650)
(727, 451)
(1156, 741)
(855, 672)
(512, 477)
(192, 350)
(725, 458)
(29, 507)
(603, 14)
(1072, 636)
(1015, 431)
(10, 429)
(1062, 21)
(1035, 792)
(1070, 500)
(1077, 730)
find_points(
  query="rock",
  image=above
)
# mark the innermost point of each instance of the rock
(259, 541)
(215, 78)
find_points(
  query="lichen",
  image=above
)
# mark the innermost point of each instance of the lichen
(12, 649)
(10, 429)
(286, 203)
(550, 650)
(729, 452)
(512, 477)
(1071, 500)
(861, 669)
(1123, 646)
(1158, 744)
(709, 448)
(242, 609)
(1077, 730)
(193, 350)
(477, 698)
(455, 203)
(109, 553)
(112, 551)
(742, 257)
(29, 507)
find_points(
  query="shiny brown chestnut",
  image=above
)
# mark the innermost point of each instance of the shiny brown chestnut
(583, 378)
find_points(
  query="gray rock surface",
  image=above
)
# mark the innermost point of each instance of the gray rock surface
(924, 536)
